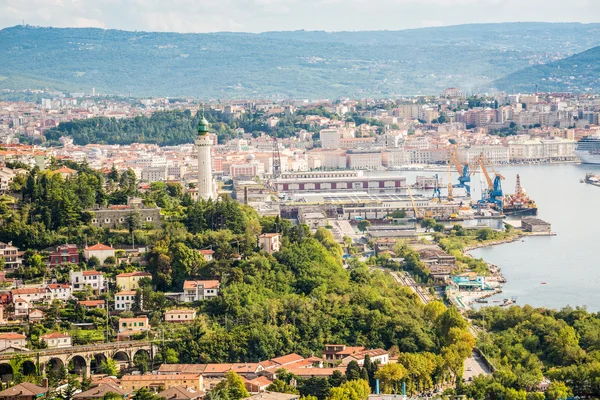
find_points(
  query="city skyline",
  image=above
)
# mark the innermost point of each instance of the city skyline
(277, 15)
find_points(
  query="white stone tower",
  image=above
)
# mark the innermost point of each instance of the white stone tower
(206, 185)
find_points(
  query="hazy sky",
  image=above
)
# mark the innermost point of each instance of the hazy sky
(270, 15)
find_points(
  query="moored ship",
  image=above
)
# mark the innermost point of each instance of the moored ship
(519, 203)
(588, 150)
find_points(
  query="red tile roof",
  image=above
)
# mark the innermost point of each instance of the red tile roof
(91, 272)
(137, 273)
(207, 284)
(98, 247)
(12, 336)
(55, 335)
(287, 359)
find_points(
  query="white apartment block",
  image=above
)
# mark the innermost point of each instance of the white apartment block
(154, 174)
(364, 160)
(495, 154)
(395, 158)
(330, 139)
(540, 149)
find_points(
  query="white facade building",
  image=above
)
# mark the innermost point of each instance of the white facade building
(124, 300)
(330, 139)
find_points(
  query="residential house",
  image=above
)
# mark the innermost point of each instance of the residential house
(131, 383)
(60, 291)
(200, 290)
(12, 256)
(90, 304)
(207, 254)
(81, 279)
(24, 391)
(181, 368)
(64, 254)
(130, 281)
(57, 340)
(12, 339)
(335, 353)
(101, 390)
(131, 326)
(22, 307)
(376, 355)
(100, 251)
(124, 300)
(65, 172)
(181, 393)
(270, 242)
(36, 316)
(258, 385)
(31, 294)
(287, 359)
(181, 315)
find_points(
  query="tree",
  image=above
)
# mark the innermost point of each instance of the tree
(70, 390)
(558, 391)
(132, 221)
(317, 387)
(353, 371)
(232, 387)
(391, 377)
(109, 367)
(142, 361)
(281, 386)
(351, 390)
(428, 224)
(94, 262)
(363, 225)
(144, 393)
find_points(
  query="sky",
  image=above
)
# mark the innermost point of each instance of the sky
(286, 15)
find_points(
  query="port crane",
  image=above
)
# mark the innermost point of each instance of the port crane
(464, 171)
(437, 193)
(493, 194)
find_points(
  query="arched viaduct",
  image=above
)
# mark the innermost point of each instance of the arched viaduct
(79, 358)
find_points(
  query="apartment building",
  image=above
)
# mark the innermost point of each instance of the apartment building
(200, 290)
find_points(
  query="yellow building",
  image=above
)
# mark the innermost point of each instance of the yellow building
(131, 383)
(130, 281)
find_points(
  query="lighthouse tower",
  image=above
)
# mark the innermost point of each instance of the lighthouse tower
(206, 185)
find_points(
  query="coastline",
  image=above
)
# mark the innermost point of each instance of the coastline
(496, 280)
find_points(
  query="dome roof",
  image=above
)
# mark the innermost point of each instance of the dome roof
(250, 157)
(203, 127)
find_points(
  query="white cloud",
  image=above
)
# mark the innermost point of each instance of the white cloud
(265, 15)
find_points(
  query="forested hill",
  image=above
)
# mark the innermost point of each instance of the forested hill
(579, 73)
(282, 64)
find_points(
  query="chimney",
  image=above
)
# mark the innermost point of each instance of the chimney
(45, 383)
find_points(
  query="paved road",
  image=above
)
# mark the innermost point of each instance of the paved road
(475, 366)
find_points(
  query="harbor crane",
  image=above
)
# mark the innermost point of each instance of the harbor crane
(437, 193)
(493, 194)
(464, 171)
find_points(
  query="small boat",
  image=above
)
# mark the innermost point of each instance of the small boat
(496, 301)
(543, 283)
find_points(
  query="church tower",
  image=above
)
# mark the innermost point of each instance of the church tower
(206, 185)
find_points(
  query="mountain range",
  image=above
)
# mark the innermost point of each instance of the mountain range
(303, 64)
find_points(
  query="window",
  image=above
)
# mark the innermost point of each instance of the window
(124, 324)
(141, 324)
(106, 220)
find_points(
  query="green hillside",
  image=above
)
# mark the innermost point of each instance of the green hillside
(579, 73)
(282, 64)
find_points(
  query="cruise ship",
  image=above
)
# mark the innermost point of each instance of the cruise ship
(588, 150)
